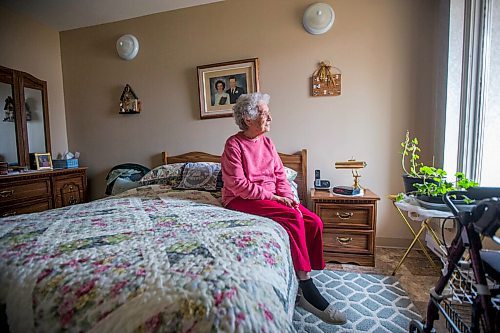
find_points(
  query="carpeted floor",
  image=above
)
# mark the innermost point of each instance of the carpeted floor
(372, 303)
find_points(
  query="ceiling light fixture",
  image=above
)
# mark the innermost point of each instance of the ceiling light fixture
(127, 47)
(318, 18)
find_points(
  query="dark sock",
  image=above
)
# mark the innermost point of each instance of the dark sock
(312, 295)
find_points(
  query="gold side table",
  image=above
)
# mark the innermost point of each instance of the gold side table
(424, 216)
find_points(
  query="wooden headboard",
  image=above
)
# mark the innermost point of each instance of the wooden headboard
(297, 162)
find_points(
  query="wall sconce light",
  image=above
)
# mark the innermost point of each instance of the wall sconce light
(127, 47)
(318, 18)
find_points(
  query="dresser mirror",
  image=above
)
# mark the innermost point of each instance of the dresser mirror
(8, 138)
(24, 127)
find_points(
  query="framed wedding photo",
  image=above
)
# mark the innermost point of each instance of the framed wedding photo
(43, 161)
(220, 85)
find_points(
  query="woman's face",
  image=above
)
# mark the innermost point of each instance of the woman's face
(220, 87)
(262, 124)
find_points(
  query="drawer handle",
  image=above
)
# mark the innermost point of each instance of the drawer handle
(72, 201)
(344, 240)
(9, 214)
(6, 193)
(71, 187)
(345, 215)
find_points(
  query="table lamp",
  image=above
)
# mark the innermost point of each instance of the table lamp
(354, 166)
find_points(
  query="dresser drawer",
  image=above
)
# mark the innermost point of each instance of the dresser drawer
(69, 198)
(25, 208)
(358, 242)
(63, 185)
(25, 189)
(345, 216)
(41, 190)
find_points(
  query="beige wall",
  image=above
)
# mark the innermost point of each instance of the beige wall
(32, 47)
(386, 50)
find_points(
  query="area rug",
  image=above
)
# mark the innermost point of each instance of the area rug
(372, 303)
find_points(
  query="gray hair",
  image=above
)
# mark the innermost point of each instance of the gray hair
(247, 107)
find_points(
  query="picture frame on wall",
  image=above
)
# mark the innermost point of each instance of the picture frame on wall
(43, 161)
(220, 85)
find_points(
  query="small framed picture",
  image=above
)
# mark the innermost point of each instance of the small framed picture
(220, 85)
(43, 161)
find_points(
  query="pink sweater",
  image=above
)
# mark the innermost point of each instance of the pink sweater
(252, 169)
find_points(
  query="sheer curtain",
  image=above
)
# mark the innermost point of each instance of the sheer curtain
(490, 167)
(472, 130)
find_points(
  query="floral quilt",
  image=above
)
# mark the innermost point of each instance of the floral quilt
(152, 259)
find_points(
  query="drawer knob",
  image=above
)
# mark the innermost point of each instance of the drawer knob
(9, 214)
(344, 240)
(72, 201)
(6, 193)
(71, 187)
(344, 215)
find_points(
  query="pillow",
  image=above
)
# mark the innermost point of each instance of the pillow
(122, 185)
(169, 174)
(200, 176)
(290, 176)
(294, 187)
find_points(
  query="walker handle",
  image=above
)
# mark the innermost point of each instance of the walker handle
(449, 203)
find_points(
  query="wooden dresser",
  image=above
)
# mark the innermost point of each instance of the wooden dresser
(349, 226)
(37, 191)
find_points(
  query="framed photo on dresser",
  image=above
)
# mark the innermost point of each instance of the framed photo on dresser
(220, 85)
(42, 161)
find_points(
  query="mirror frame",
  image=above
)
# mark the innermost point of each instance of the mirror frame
(20, 80)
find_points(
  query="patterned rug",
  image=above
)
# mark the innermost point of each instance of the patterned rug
(372, 303)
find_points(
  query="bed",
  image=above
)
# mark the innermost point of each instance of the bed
(152, 259)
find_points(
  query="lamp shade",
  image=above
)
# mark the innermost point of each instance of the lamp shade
(318, 18)
(127, 47)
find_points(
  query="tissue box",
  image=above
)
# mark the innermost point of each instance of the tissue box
(65, 164)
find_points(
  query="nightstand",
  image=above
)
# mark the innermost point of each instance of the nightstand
(349, 226)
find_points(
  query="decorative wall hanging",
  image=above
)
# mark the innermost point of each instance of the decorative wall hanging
(220, 85)
(326, 81)
(9, 110)
(129, 103)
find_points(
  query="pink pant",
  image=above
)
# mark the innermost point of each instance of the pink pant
(306, 231)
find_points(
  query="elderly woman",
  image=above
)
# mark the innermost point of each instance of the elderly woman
(221, 97)
(255, 183)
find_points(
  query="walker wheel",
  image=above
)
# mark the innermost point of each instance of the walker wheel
(416, 327)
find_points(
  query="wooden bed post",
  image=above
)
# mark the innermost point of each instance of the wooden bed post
(164, 157)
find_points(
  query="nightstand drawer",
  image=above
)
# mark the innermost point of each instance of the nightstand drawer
(348, 242)
(345, 216)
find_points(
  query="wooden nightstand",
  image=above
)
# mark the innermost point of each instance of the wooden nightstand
(349, 226)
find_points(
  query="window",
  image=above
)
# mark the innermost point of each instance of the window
(473, 101)
(490, 166)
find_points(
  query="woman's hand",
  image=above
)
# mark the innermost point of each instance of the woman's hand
(285, 201)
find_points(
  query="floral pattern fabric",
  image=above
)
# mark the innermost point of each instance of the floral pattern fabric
(152, 259)
(168, 174)
(200, 176)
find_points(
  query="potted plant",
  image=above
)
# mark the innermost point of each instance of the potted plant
(411, 173)
(430, 193)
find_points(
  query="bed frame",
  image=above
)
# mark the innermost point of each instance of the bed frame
(297, 162)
